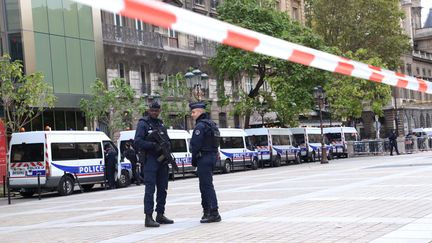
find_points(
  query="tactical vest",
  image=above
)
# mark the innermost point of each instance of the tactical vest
(214, 131)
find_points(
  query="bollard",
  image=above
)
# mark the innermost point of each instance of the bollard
(244, 162)
(262, 161)
(8, 190)
(183, 168)
(286, 156)
(4, 186)
(39, 187)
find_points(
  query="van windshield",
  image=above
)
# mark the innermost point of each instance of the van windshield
(281, 140)
(351, 137)
(258, 140)
(334, 137)
(299, 138)
(28, 152)
(231, 142)
(315, 138)
(178, 145)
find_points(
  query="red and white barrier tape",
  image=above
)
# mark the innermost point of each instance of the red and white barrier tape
(168, 16)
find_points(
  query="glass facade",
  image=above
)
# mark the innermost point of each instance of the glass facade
(58, 120)
(64, 45)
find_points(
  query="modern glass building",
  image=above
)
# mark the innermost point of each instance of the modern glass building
(63, 40)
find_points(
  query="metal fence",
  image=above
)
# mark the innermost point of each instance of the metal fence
(382, 146)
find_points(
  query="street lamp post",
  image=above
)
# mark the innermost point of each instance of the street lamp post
(262, 111)
(196, 81)
(319, 96)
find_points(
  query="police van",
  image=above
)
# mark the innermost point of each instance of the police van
(309, 141)
(60, 158)
(179, 146)
(273, 145)
(235, 150)
(338, 138)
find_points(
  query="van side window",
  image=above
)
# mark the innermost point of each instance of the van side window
(73, 151)
(63, 151)
(231, 142)
(178, 145)
(89, 150)
(29, 152)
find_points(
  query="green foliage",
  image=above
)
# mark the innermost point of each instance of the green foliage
(24, 97)
(361, 24)
(114, 107)
(291, 83)
(348, 96)
(175, 96)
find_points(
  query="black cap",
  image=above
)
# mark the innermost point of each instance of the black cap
(196, 105)
(154, 105)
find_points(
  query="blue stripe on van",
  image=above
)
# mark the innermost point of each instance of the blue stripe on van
(81, 169)
(239, 154)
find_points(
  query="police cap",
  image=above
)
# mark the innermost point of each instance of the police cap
(196, 105)
(154, 105)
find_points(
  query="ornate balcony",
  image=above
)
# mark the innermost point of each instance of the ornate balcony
(119, 35)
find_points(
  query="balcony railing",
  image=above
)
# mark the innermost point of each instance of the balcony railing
(155, 40)
(422, 54)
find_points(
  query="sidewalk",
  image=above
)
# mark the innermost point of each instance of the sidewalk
(379, 199)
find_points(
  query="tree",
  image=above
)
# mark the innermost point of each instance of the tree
(113, 107)
(231, 63)
(174, 88)
(361, 24)
(24, 97)
(348, 96)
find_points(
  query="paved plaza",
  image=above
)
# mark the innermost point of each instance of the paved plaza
(366, 199)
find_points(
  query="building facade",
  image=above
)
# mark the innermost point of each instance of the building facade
(63, 40)
(408, 109)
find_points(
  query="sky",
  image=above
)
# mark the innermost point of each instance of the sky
(426, 4)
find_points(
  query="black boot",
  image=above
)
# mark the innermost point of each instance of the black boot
(206, 213)
(149, 222)
(161, 219)
(213, 217)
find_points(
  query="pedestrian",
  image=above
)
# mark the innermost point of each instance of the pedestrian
(155, 172)
(393, 142)
(129, 153)
(110, 164)
(204, 145)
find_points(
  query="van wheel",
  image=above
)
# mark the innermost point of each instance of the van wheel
(226, 166)
(124, 179)
(254, 164)
(277, 161)
(26, 193)
(87, 187)
(66, 186)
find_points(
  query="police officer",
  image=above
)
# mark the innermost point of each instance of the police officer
(204, 154)
(129, 153)
(155, 172)
(110, 164)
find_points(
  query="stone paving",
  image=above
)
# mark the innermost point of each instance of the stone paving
(367, 199)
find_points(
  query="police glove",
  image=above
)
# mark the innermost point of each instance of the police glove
(157, 147)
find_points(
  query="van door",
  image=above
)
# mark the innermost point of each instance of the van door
(181, 155)
(91, 161)
(26, 162)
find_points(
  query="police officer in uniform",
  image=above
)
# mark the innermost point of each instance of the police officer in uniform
(204, 154)
(110, 164)
(155, 172)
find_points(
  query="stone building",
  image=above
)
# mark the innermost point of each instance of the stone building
(408, 109)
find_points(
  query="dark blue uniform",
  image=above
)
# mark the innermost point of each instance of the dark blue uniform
(155, 173)
(204, 156)
(110, 165)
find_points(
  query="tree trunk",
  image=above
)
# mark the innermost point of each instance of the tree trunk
(255, 92)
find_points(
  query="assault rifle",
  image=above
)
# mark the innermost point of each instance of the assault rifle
(166, 156)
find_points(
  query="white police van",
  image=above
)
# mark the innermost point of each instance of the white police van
(338, 137)
(235, 151)
(273, 145)
(179, 146)
(60, 158)
(309, 141)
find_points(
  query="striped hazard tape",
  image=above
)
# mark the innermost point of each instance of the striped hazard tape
(168, 16)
